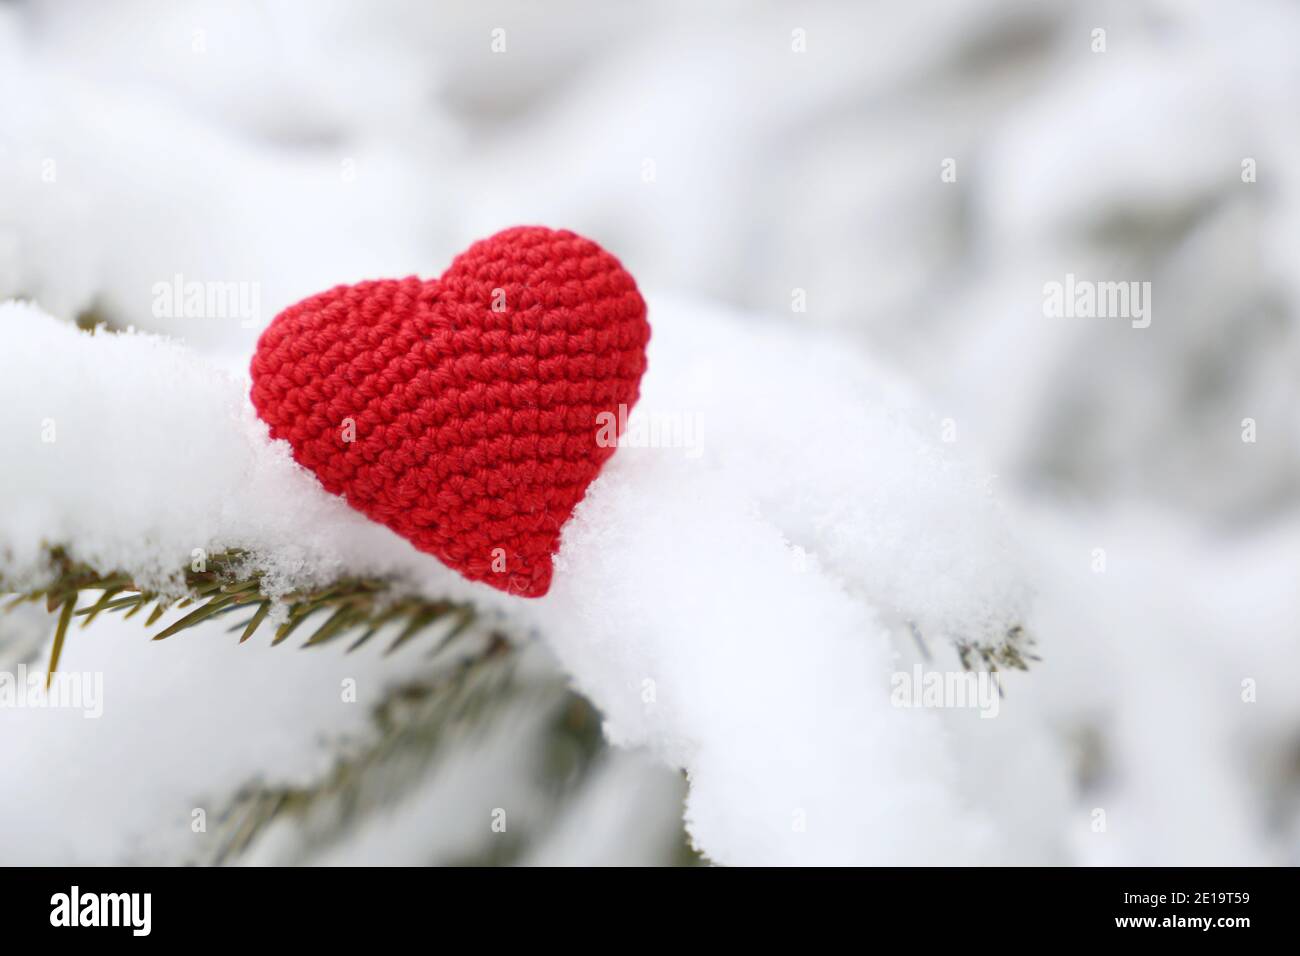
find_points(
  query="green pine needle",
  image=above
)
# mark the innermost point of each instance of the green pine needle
(355, 605)
(60, 632)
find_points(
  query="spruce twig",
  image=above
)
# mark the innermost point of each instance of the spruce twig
(1013, 652)
(225, 583)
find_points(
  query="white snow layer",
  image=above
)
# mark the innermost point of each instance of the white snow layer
(725, 596)
(294, 149)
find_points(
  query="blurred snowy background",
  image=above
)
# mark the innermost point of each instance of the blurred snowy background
(902, 179)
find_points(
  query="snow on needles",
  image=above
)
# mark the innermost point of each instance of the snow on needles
(729, 594)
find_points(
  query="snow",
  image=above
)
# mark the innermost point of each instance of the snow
(921, 449)
(678, 568)
(182, 720)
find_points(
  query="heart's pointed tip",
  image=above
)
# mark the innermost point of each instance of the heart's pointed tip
(529, 582)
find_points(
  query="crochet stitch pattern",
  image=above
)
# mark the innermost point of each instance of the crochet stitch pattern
(463, 412)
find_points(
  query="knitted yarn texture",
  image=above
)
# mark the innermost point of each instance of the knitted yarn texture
(468, 413)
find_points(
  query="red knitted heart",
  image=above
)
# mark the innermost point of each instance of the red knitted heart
(464, 412)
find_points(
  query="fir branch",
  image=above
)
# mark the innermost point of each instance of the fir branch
(418, 724)
(410, 725)
(227, 584)
(1013, 652)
